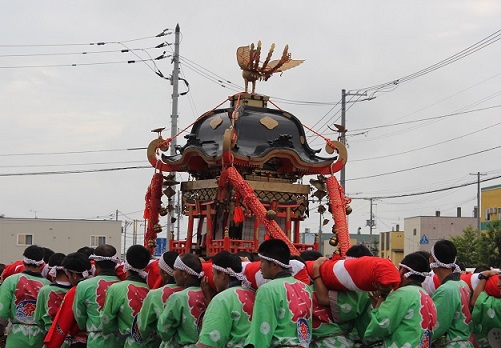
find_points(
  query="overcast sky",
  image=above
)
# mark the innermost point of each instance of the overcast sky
(57, 117)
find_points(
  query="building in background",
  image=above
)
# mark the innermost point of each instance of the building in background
(370, 241)
(421, 232)
(63, 236)
(391, 245)
(490, 203)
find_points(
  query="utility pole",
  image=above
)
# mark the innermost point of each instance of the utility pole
(174, 116)
(321, 243)
(342, 137)
(478, 198)
(370, 222)
(342, 130)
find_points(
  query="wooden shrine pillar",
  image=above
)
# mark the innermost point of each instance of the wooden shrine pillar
(256, 232)
(296, 231)
(288, 225)
(189, 235)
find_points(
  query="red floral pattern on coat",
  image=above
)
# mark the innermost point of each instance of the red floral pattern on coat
(321, 314)
(102, 286)
(464, 292)
(168, 290)
(428, 311)
(135, 297)
(196, 302)
(246, 298)
(299, 299)
(54, 302)
(26, 289)
(25, 296)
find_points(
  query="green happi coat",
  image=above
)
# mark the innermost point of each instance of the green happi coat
(333, 326)
(153, 306)
(48, 302)
(405, 319)
(87, 307)
(121, 306)
(228, 318)
(282, 314)
(454, 325)
(18, 300)
(181, 319)
(486, 316)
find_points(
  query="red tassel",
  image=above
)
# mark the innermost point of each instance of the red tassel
(238, 215)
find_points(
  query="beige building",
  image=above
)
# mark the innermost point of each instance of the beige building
(421, 232)
(63, 236)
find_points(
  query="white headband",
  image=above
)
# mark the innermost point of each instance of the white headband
(411, 271)
(54, 269)
(438, 263)
(165, 267)
(179, 264)
(32, 262)
(232, 273)
(142, 273)
(283, 265)
(99, 258)
(85, 274)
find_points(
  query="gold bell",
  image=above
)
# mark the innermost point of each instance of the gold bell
(348, 210)
(163, 211)
(321, 209)
(333, 241)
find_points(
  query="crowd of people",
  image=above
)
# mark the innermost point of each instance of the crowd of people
(91, 298)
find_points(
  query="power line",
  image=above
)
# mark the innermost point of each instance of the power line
(70, 152)
(98, 43)
(77, 171)
(460, 55)
(428, 146)
(74, 53)
(426, 119)
(424, 165)
(67, 164)
(429, 191)
(80, 64)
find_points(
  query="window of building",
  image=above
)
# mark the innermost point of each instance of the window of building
(24, 239)
(97, 241)
(414, 232)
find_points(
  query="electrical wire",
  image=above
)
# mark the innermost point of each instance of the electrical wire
(70, 152)
(487, 41)
(76, 171)
(430, 191)
(427, 146)
(74, 53)
(99, 43)
(76, 64)
(425, 165)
